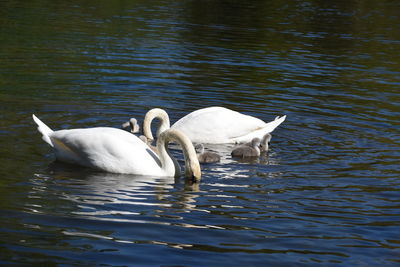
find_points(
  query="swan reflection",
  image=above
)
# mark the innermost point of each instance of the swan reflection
(108, 196)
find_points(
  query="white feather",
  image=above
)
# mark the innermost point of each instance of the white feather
(115, 150)
(215, 125)
(44, 130)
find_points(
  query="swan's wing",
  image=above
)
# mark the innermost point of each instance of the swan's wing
(108, 149)
(217, 125)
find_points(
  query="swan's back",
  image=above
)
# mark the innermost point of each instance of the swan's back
(217, 125)
(104, 148)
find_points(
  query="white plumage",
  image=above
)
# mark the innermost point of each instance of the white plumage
(214, 125)
(117, 151)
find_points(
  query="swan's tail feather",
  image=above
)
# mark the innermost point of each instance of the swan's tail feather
(44, 130)
(282, 118)
(275, 123)
(261, 132)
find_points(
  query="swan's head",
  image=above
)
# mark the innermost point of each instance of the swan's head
(192, 165)
(155, 113)
(193, 170)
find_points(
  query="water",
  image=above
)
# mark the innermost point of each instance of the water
(328, 192)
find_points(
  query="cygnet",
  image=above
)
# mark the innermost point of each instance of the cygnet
(131, 126)
(206, 156)
(264, 146)
(247, 150)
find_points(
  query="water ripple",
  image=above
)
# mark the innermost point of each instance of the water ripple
(326, 193)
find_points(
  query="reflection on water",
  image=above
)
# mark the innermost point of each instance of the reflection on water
(326, 192)
(88, 189)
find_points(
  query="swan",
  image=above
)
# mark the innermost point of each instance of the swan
(117, 151)
(247, 150)
(149, 143)
(206, 156)
(131, 126)
(155, 150)
(213, 125)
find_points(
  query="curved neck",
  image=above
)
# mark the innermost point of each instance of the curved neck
(134, 125)
(255, 144)
(265, 142)
(192, 165)
(264, 147)
(155, 113)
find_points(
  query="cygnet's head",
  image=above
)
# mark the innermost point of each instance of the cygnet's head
(131, 126)
(199, 148)
(126, 126)
(255, 142)
(134, 125)
(206, 156)
(264, 146)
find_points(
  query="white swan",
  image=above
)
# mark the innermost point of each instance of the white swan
(149, 143)
(213, 125)
(118, 151)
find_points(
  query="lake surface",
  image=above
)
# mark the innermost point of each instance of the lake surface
(328, 193)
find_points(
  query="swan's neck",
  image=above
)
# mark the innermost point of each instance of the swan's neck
(167, 162)
(152, 114)
(256, 148)
(192, 165)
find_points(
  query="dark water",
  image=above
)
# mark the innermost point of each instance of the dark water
(328, 193)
